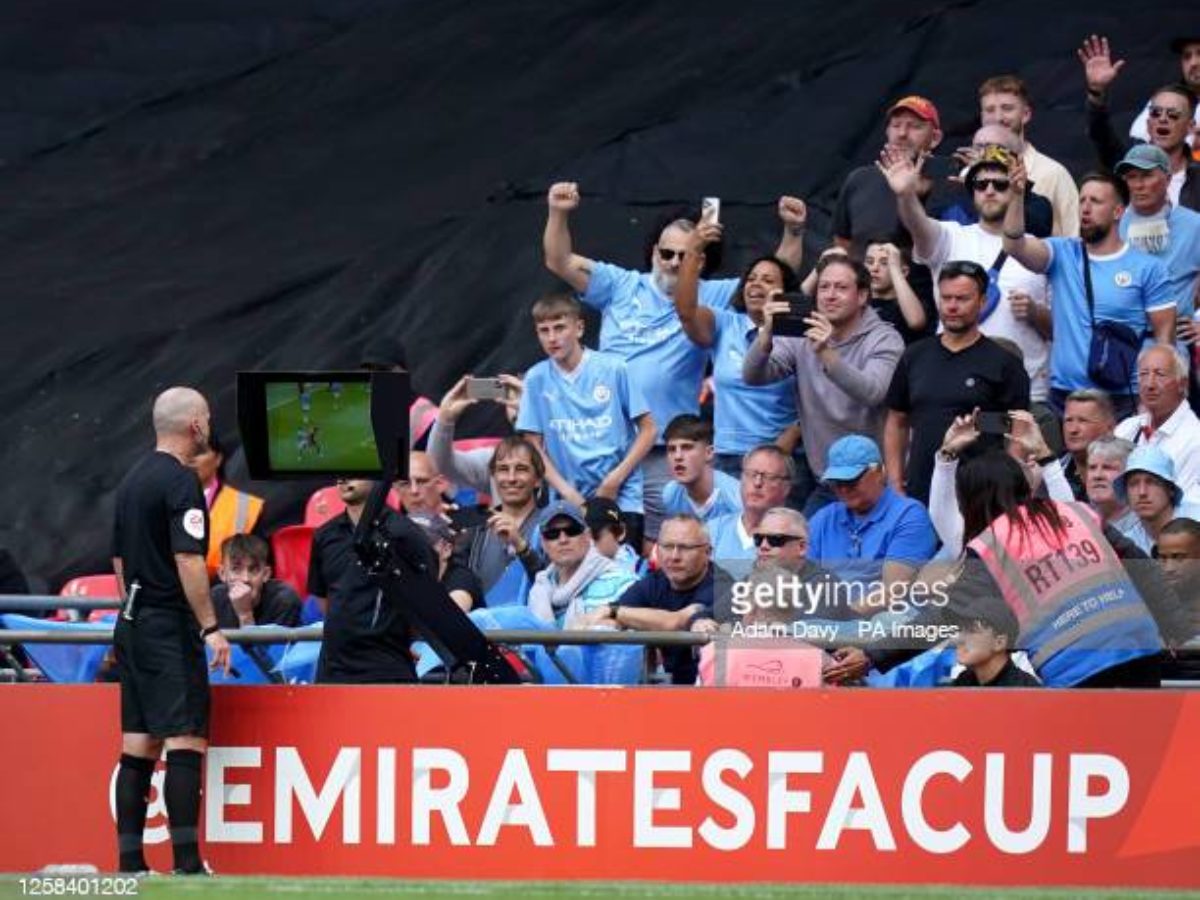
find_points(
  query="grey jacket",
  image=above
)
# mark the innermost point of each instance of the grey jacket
(848, 398)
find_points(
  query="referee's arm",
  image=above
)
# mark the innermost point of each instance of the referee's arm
(193, 575)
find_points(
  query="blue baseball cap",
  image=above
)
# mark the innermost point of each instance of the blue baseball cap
(561, 509)
(1144, 157)
(849, 457)
(1154, 461)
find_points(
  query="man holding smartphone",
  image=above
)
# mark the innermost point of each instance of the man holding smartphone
(842, 365)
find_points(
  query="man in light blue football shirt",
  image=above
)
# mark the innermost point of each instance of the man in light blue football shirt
(638, 321)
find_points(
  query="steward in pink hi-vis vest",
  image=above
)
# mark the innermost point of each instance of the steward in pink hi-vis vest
(1079, 611)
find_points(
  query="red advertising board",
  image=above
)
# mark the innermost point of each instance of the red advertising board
(939, 786)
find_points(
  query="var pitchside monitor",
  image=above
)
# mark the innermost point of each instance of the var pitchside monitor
(314, 424)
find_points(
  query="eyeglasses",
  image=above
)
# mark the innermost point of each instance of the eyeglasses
(777, 540)
(681, 548)
(755, 475)
(666, 254)
(573, 530)
(999, 184)
(1161, 112)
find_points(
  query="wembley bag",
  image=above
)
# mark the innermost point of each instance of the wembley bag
(1112, 357)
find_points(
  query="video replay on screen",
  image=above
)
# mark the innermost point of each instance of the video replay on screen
(313, 424)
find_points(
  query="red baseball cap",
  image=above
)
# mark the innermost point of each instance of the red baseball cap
(919, 106)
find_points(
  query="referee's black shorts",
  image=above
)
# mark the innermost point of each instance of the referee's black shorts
(164, 674)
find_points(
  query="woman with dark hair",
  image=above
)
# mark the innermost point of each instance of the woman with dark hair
(1083, 621)
(1092, 607)
(745, 416)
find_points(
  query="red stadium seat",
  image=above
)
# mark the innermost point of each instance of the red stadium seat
(291, 547)
(99, 586)
(91, 586)
(325, 503)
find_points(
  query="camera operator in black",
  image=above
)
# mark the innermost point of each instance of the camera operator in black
(367, 638)
(160, 537)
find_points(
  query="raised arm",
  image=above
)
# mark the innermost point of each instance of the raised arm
(572, 268)
(458, 467)
(1099, 71)
(760, 365)
(904, 177)
(794, 216)
(698, 322)
(910, 304)
(1031, 252)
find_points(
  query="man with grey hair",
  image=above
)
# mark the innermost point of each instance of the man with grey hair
(1087, 415)
(1106, 458)
(1166, 420)
(638, 320)
(160, 540)
(767, 474)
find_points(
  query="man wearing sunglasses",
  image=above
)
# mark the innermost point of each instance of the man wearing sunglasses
(579, 580)
(1187, 48)
(638, 320)
(1170, 115)
(1015, 305)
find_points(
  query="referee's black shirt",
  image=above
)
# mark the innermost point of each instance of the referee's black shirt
(159, 512)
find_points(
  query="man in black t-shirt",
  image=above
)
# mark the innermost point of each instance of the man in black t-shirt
(247, 594)
(367, 637)
(949, 375)
(160, 538)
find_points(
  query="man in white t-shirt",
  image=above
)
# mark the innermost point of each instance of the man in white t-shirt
(1017, 306)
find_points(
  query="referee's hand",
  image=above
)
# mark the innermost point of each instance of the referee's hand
(220, 651)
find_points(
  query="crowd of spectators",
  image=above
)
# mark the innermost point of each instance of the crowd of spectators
(986, 384)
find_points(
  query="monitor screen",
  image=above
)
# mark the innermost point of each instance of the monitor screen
(309, 424)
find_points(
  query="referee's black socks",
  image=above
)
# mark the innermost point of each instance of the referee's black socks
(133, 795)
(182, 794)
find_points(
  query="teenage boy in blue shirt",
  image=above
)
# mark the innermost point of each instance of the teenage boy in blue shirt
(582, 411)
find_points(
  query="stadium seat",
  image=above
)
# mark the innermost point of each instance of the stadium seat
(95, 586)
(291, 547)
(325, 503)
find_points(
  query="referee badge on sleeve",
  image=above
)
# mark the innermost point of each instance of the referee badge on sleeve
(193, 523)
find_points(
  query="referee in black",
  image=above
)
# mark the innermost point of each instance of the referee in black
(160, 538)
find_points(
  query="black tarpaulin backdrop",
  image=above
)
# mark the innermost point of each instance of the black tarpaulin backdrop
(191, 188)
